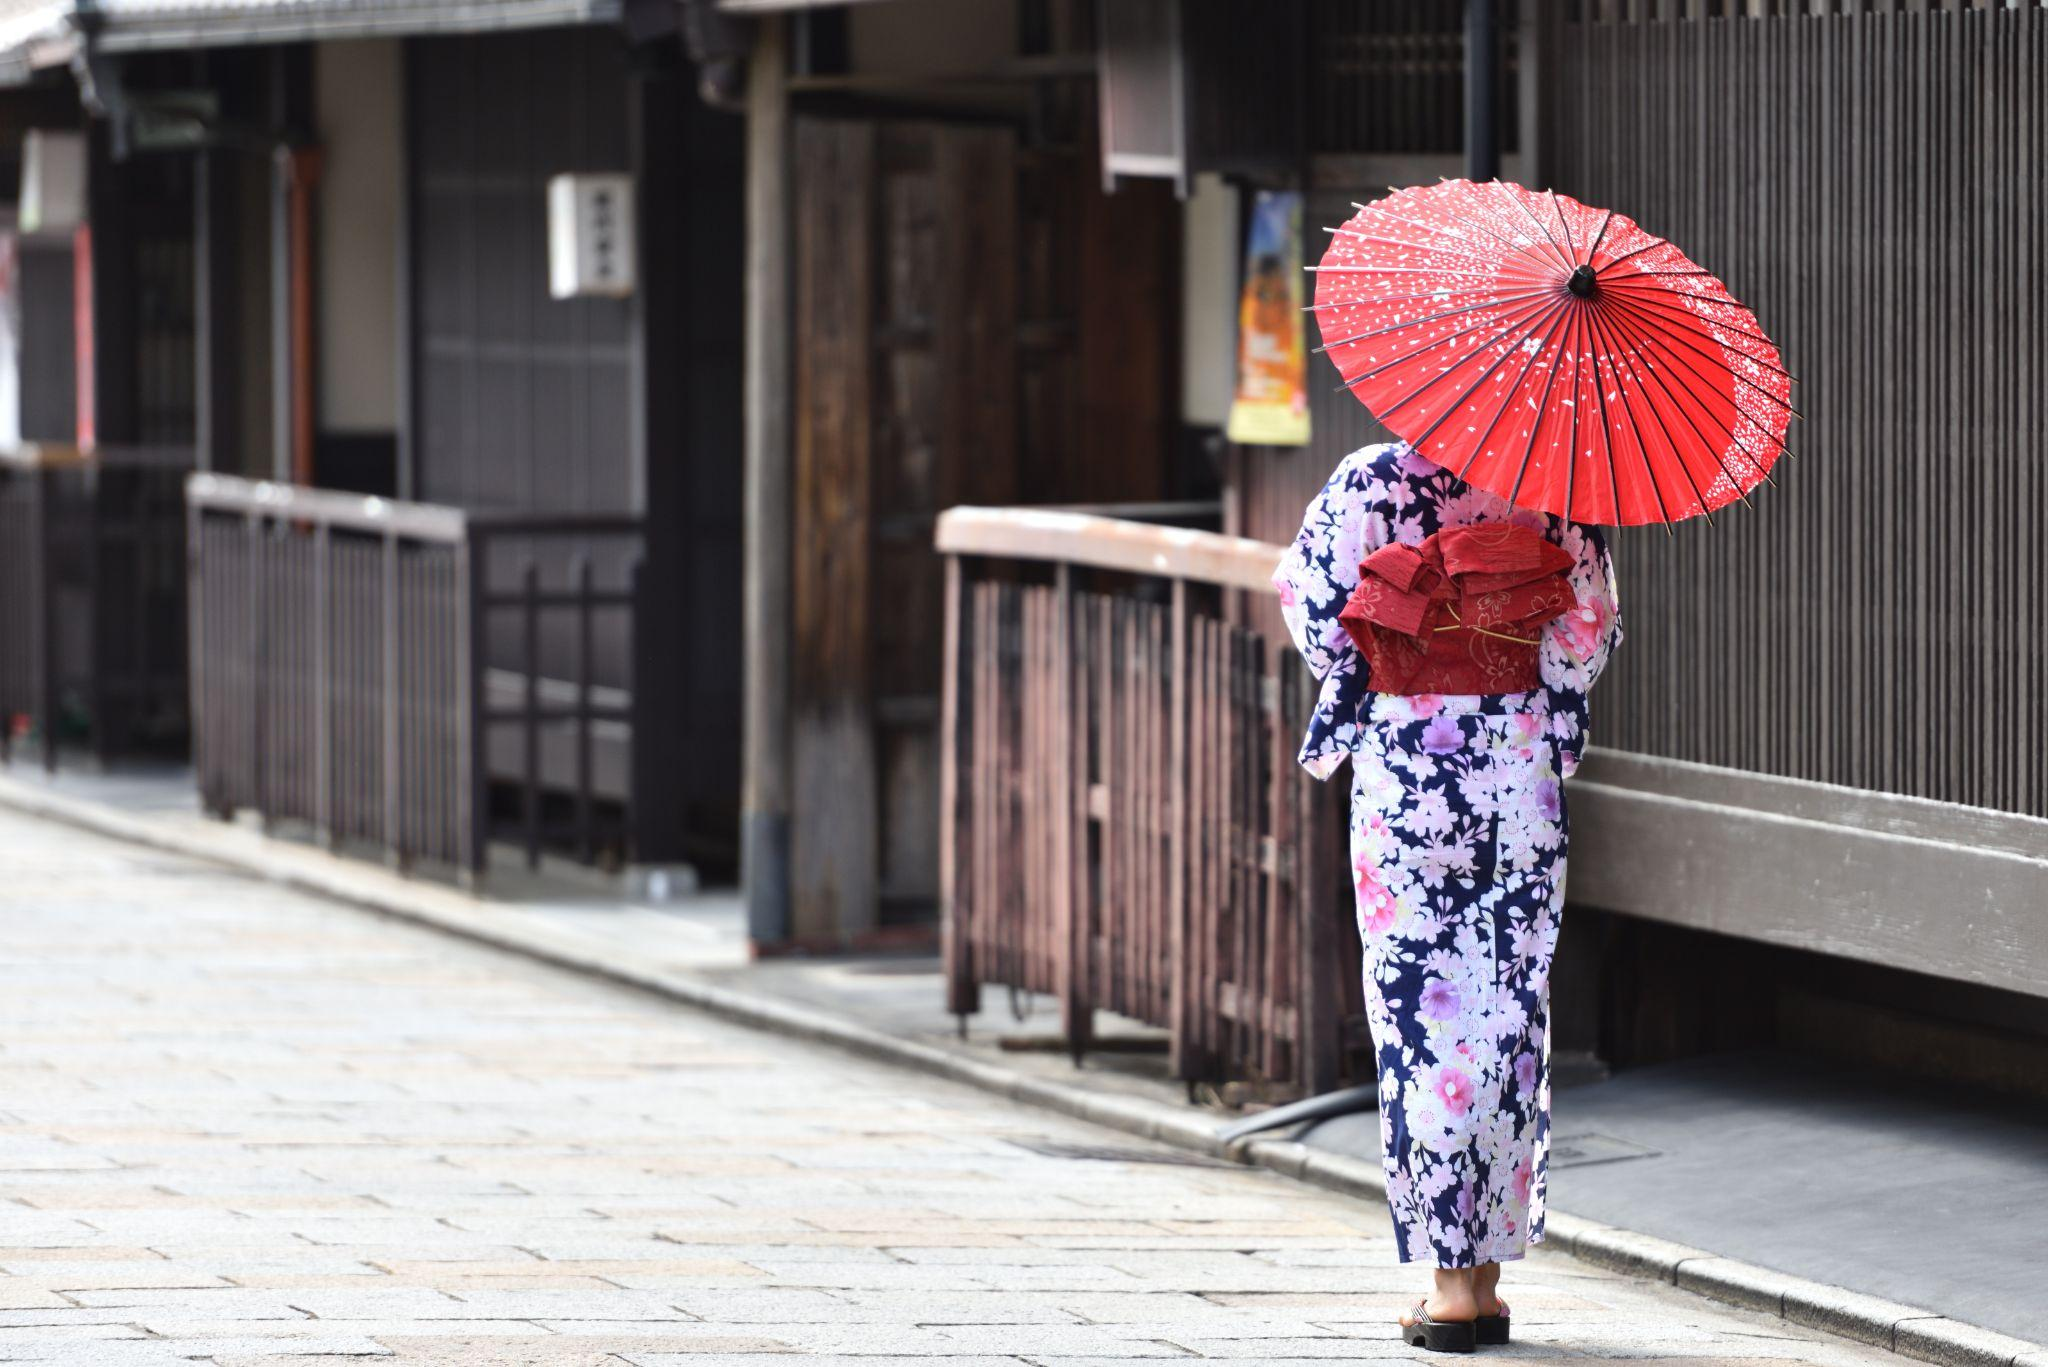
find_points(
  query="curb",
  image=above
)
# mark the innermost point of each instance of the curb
(1904, 1329)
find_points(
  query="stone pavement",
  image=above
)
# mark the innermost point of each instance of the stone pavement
(243, 1126)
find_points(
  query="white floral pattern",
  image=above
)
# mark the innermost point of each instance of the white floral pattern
(1458, 840)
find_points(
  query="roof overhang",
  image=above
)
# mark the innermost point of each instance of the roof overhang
(36, 35)
(137, 25)
(32, 36)
(784, 6)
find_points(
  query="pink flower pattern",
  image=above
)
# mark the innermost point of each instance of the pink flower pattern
(1376, 908)
(1454, 1089)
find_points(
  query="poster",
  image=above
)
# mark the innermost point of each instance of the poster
(1271, 404)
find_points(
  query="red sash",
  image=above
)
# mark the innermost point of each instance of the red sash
(1461, 613)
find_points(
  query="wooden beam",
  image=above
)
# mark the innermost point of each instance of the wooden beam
(1905, 882)
(1109, 543)
(764, 801)
(834, 845)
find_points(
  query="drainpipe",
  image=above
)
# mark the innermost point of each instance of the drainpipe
(1482, 153)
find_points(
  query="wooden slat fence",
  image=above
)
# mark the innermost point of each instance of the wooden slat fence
(1126, 829)
(28, 685)
(348, 676)
(1867, 176)
(92, 601)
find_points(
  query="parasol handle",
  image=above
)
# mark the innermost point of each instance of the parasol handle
(1581, 282)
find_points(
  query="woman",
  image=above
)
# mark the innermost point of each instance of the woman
(1457, 833)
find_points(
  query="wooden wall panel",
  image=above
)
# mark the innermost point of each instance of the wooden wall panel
(1098, 320)
(519, 400)
(947, 434)
(49, 345)
(907, 404)
(975, 338)
(1128, 297)
(1869, 183)
(976, 324)
(1867, 179)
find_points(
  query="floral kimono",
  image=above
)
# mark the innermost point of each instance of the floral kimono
(1458, 837)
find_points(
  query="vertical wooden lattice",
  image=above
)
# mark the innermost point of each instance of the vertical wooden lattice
(1869, 182)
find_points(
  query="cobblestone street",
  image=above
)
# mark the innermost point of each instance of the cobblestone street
(242, 1126)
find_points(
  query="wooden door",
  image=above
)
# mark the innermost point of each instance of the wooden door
(906, 383)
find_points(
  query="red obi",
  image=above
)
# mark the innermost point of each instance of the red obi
(1461, 613)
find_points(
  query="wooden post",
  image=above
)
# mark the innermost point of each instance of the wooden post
(963, 996)
(1077, 1014)
(323, 686)
(198, 699)
(1318, 846)
(471, 792)
(586, 648)
(1182, 1005)
(392, 707)
(832, 556)
(46, 620)
(764, 816)
(529, 717)
(259, 675)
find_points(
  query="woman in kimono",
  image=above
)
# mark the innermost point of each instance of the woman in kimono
(1483, 629)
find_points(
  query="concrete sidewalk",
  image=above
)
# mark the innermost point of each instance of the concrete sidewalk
(695, 955)
(1845, 1175)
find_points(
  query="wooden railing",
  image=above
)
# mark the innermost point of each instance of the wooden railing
(1125, 827)
(92, 599)
(377, 670)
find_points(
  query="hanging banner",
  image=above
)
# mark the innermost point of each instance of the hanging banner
(1271, 406)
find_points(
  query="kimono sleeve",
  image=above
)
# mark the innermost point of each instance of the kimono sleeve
(1320, 569)
(1577, 645)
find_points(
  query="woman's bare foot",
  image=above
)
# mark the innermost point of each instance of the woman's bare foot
(1485, 1289)
(1446, 1320)
(1455, 1299)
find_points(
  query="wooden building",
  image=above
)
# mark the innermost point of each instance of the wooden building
(985, 252)
(501, 604)
(981, 276)
(96, 273)
(947, 309)
(1814, 816)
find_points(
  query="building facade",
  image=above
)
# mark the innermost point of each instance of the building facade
(1813, 818)
(663, 589)
(320, 259)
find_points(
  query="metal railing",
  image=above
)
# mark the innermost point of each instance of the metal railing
(379, 671)
(92, 599)
(1124, 824)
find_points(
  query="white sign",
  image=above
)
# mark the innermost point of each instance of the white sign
(52, 181)
(590, 235)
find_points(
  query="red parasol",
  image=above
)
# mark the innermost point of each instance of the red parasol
(1552, 353)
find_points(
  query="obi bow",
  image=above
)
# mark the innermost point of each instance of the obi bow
(1461, 613)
